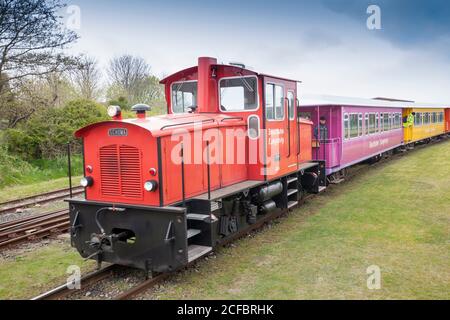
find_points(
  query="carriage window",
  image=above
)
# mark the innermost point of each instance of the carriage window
(426, 118)
(184, 95)
(360, 124)
(441, 117)
(372, 123)
(386, 126)
(377, 123)
(366, 124)
(238, 94)
(346, 126)
(291, 107)
(353, 125)
(274, 102)
(398, 120)
(418, 119)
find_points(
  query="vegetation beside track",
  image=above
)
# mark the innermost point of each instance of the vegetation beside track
(33, 272)
(395, 215)
(30, 189)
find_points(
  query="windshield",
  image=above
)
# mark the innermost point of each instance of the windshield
(184, 95)
(238, 94)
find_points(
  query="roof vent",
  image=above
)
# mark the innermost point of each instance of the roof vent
(140, 110)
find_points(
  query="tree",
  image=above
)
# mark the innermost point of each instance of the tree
(86, 78)
(31, 38)
(128, 76)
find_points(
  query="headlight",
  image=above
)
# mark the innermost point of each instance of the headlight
(150, 185)
(113, 111)
(86, 182)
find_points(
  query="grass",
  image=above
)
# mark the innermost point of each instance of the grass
(395, 216)
(31, 273)
(20, 191)
(19, 178)
(19, 172)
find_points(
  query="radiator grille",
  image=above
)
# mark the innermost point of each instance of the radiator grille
(120, 171)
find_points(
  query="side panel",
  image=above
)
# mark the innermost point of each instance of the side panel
(427, 128)
(305, 141)
(234, 155)
(447, 120)
(367, 145)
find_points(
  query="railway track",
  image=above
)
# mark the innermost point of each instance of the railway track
(46, 197)
(33, 227)
(63, 292)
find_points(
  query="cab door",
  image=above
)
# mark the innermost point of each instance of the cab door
(280, 125)
(292, 132)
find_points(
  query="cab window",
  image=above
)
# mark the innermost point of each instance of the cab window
(274, 102)
(238, 94)
(184, 96)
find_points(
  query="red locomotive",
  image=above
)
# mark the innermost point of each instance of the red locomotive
(162, 191)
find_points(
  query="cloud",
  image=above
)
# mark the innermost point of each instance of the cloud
(328, 47)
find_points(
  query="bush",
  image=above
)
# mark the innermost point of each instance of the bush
(46, 133)
(11, 167)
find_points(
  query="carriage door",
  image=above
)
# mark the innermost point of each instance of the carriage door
(281, 154)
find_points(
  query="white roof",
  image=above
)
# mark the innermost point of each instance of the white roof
(327, 100)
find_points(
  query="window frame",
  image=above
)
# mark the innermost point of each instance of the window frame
(248, 127)
(350, 126)
(219, 95)
(346, 134)
(274, 84)
(171, 94)
(366, 124)
(293, 105)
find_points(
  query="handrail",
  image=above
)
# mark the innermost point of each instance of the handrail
(232, 118)
(185, 123)
(288, 126)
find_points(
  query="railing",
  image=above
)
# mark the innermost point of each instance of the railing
(326, 150)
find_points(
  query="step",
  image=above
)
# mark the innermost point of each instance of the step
(292, 179)
(292, 204)
(322, 188)
(291, 191)
(195, 251)
(193, 232)
(197, 216)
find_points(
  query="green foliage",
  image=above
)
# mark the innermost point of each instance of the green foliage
(46, 133)
(121, 101)
(15, 171)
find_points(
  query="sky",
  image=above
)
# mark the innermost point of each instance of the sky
(326, 44)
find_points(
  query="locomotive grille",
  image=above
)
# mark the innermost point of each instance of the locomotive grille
(120, 171)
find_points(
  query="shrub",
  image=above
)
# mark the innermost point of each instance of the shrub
(46, 133)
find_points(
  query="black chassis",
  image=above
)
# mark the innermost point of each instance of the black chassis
(159, 243)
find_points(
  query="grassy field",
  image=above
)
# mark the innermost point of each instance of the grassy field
(31, 273)
(19, 191)
(395, 216)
